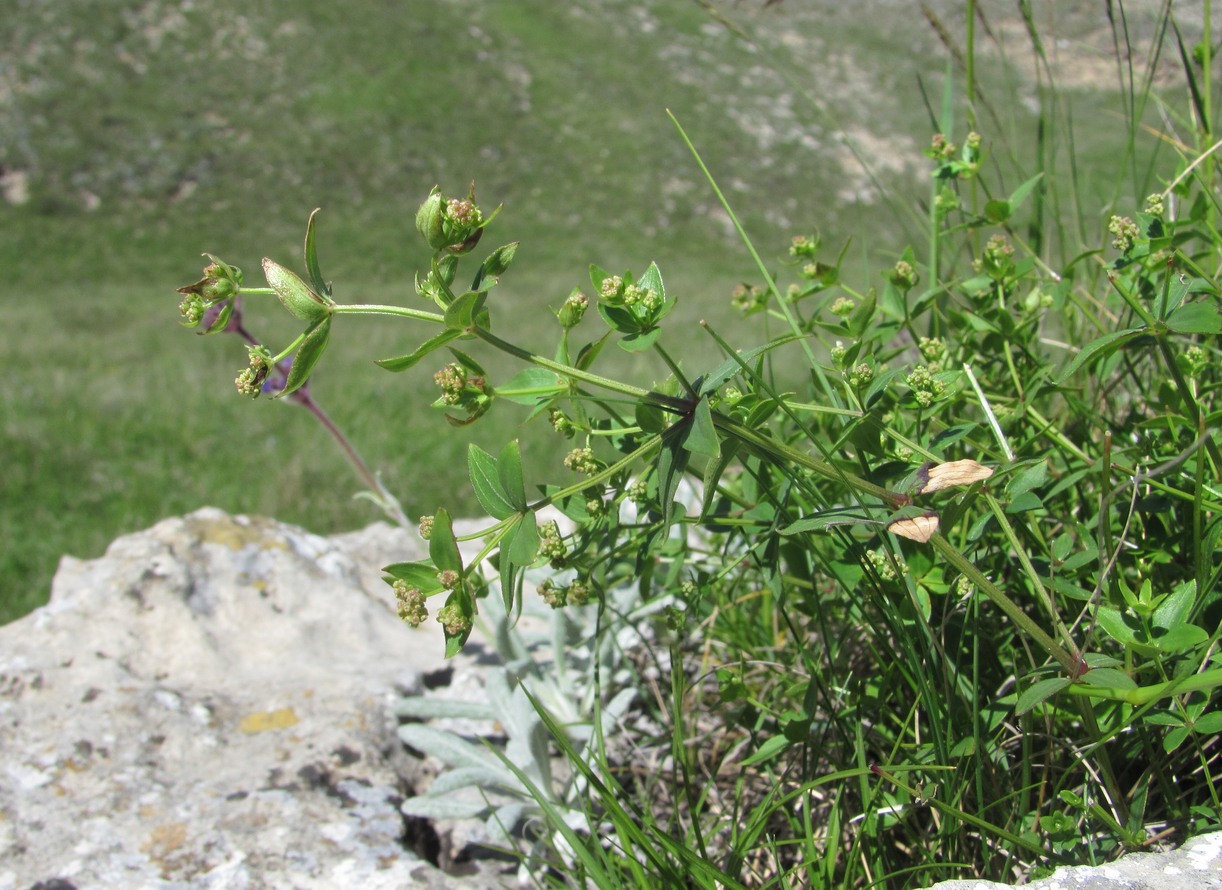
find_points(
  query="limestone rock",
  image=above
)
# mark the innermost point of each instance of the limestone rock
(210, 704)
(1197, 865)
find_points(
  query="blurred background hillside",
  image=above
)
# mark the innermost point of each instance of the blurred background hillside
(135, 136)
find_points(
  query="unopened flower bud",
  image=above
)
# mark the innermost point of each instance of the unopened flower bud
(572, 310)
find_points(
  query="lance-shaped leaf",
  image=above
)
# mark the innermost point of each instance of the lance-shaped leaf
(319, 284)
(530, 385)
(1100, 347)
(523, 543)
(462, 313)
(494, 267)
(509, 471)
(421, 575)
(701, 436)
(443, 548)
(294, 294)
(1196, 318)
(403, 362)
(308, 354)
(486, 481)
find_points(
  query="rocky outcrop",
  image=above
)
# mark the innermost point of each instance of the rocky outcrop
(210, 704)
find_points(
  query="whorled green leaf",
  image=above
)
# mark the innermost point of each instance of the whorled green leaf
(701, 437)
(530, 385)
(712, 381)
(511, 577)
(997, 211)
(403, 362)
(486, 481)
(494, 267)
(509, 472)
(523, 544)
(640, 341)
(1099, 348)
(1019, 195)
(443, 547)
(618, 318)
(294, 294)
(1109, 678)
(589, 352)
(222, 320)
(462, 313)
(307, 356)
(1039, 692)
(651, 279)
(1196, 318)
(317, 282)
(422, 575)
(1176, 609)
(672, 461)
(713, 472)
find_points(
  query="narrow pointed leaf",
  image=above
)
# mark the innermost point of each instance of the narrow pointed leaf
(1196, 318)
(443, 548)
(403, 362)
(308, 354)
(460, 315)
(524, 543)
(311, 259)
(530, 385)
(1038, 692)
(487, 484)
(701, 437)
(422, 575)
(1103, 346)
(509, 471)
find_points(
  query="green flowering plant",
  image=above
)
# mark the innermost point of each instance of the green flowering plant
(937, 494)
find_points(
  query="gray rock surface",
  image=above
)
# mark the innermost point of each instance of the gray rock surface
(1197, 865)
(210, 704)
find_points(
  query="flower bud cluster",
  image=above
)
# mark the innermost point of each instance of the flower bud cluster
(582, 460)
(885, 567)
(803, 246)
(410, 603)
(904, 275)
(1193, 361)
(561, 423)
(747, 298)
(452, 617)
(933, 350)
(460, 389)
(1154, 204)
(1125, 231)
(573, 310)
(551, 544)
(860, 375)
(452, 224)
(218, 288)
(925, 386)
(426, 527)
(557, 596)
(843, 306)
(250, 380)
(997, 259)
